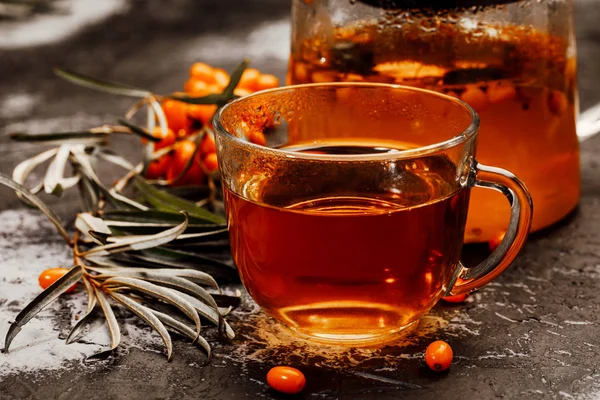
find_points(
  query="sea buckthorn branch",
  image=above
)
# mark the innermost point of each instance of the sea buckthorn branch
(135, 251)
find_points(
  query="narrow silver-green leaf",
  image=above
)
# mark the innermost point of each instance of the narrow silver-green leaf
(101, 85)
(56, 169)
(111, 320)
(33, 199)
(99, 237)
(42, 300)
(126, 200)
(165, 201)
(173, 281)
(145, 226)
(80, 137)
(80, 325)
(209, 313)
(140, 242)
(190, 191)
(148, 316)
(183, 238)
(160, 114)
(83, 159)
(170, 296)
(85, 222)
(147, 157)
(90, 295)
(152, 216)
(113, 158)
(183, 330)
(192, 237)
(24, 168)
(151, 120)
(183, 259)
(214, 98)
(190, 274)
(88, 196)
(103, 261)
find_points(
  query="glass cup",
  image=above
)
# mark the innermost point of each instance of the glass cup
(347, 205)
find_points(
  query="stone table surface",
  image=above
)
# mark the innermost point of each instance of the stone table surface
(533, 333)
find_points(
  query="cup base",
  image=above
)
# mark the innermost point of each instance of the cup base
(357, 340)
(349, 322)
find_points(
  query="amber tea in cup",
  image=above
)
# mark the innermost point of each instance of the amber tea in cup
(348, 225)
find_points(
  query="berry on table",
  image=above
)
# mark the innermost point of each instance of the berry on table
(286, 379)
(51, 275)
(438, 356)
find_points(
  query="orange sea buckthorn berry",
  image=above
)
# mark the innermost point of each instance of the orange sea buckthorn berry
(208, 144)
(193, 176)
(475, 97)
(457, 298)
(286, 379)
(267, 81)
(221, 78)
(196, 87)
(183, 133)
(257, 137)
(177, 114)
(438, 355)
(182, 153)
(300, 72)
(499, 92)
(51, 275)
(202, 112)
(377, 78)
(323, 76)
(211, 162)
(353, 78)
(203, 72)
(157, 168)
(249, 79)
(214, 88)
(166, 138)
(557, 102)
(496, 240)
(241, 92)
(453, 94)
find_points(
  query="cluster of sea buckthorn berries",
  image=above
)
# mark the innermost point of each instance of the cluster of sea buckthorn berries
(185, 119)
(480, 98)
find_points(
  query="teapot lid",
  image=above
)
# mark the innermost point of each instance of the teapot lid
(433, 4)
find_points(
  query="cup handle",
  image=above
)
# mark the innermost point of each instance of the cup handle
(521, 210)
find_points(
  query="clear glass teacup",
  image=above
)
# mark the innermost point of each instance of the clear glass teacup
(347, 205)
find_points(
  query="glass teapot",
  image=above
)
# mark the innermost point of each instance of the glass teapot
(512, 61)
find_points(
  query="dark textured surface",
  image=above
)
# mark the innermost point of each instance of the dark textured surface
(533, 333)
